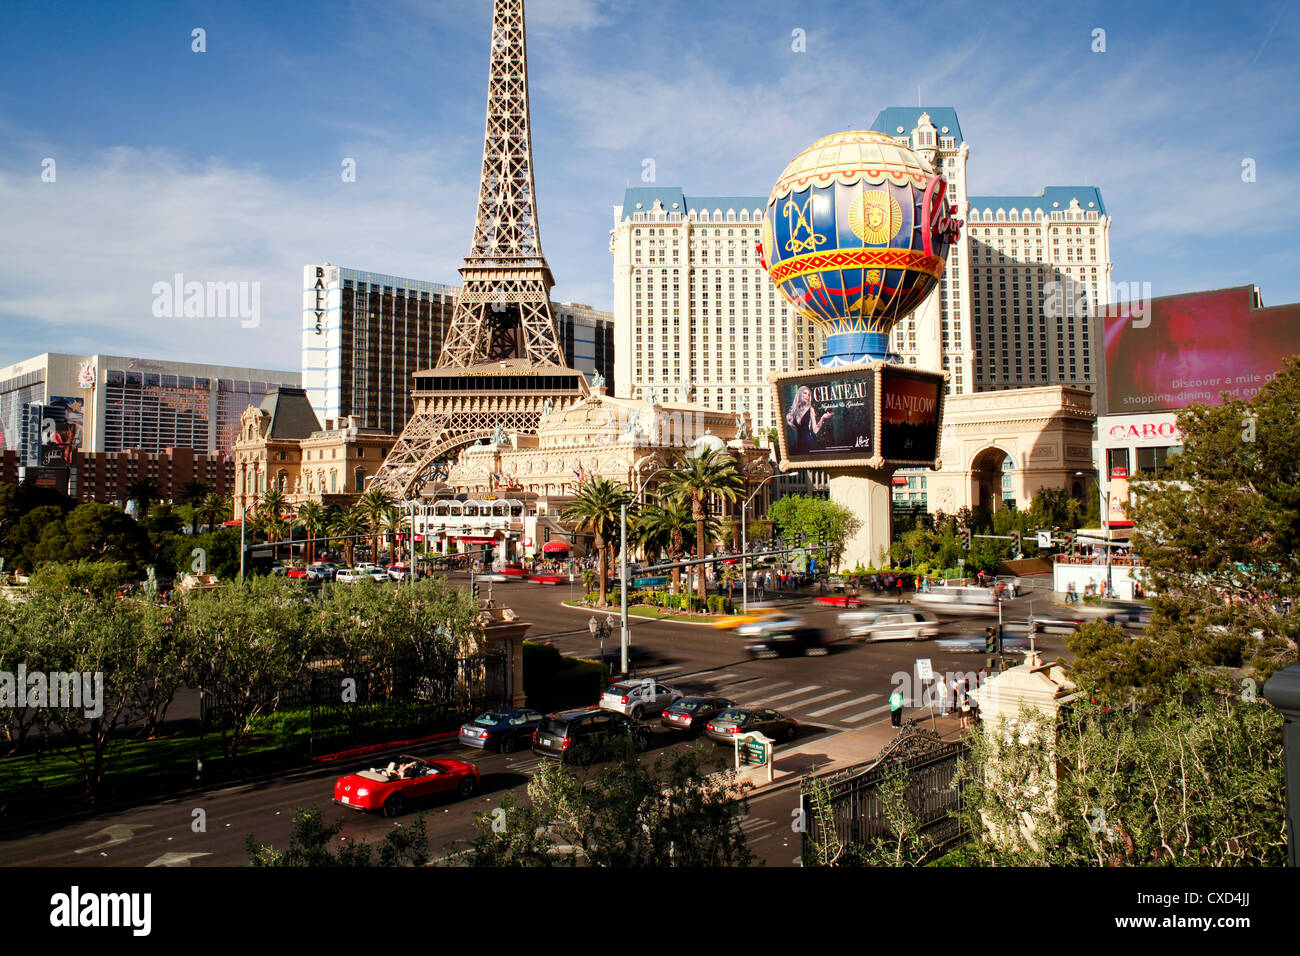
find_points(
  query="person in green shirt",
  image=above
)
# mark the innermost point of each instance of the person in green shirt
(896, 707)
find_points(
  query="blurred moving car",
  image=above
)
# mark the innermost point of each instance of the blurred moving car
(771, 624)
(808, 641)
(495, 577)
(692, 713)
(954, 599)
(742, 720)
(404, 781)
(753, 616)
(503, 730)
(514, 571)
(586, 735)
(890, 624)
(636, 698)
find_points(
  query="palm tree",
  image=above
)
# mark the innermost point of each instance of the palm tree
(702, 478)
(143, 491)
(348, 525)
(312, 516)
(373, 504)
(596, 510)
(192, 493)
(667, 526)
(271, 510)
(392, 520)
(214, 508)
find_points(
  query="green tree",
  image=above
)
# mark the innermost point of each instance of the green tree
(94, 531)
(815, 518)
(595, 510)
(1219, 531)
(144, 492)
(117, 649)
(703, 479)
(245, 645)
(667, 525)
(312, 840)
(1197, 779)
(373, 504)
(192, 493)
(348, 526)
(674, 814)
(312, 516)
(215, 510)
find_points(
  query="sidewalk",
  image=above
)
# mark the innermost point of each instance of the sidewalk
(837, 751)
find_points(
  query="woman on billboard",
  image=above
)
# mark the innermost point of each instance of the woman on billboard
(804, 421)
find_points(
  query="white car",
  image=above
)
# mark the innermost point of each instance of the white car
(348, 575)
(637, 698)
(890, 624)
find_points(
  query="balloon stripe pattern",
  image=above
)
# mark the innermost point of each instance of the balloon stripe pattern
(856, 236)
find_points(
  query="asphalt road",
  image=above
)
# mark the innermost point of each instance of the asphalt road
(847, 689)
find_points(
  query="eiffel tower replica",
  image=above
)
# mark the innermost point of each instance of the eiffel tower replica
(501, 360)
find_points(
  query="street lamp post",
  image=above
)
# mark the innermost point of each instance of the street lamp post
(744, 546)
(624, 635)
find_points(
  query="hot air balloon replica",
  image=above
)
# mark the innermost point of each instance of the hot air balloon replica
(856, 236)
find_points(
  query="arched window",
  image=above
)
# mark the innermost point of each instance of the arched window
(361, 480)
(334, 480)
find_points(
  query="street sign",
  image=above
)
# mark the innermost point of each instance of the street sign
(652, 582)
(961, 562)
(923, 669)
(755, 750)
(1044, 539)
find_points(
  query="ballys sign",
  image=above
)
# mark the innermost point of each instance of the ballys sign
(1145, 431)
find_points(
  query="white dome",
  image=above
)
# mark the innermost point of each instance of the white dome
(706, 443)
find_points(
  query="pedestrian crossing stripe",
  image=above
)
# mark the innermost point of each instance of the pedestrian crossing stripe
(786, 693)
(863, 716)
(817, 700)
(844, 703)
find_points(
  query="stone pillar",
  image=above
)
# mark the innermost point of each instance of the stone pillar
(868, 494)
(503, 633)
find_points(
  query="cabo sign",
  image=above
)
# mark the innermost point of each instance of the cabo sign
(1144, 430)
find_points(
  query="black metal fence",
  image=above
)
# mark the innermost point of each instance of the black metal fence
(850, 805)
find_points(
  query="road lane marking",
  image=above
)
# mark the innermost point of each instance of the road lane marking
(843, 704)
(787, 693)
(863, 716)
(793, 705)
(762, 688)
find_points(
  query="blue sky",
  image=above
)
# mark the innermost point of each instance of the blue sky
(225, 165)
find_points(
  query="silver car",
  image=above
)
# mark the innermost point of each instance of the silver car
(636, 698)
(890, 624)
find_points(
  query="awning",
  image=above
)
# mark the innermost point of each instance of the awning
(555, 547)
(232, 524)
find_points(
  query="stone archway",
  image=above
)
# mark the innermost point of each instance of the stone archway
(986, 471)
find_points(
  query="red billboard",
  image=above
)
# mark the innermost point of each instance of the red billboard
(1180, 350)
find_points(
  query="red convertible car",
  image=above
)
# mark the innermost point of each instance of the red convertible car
(405, 781)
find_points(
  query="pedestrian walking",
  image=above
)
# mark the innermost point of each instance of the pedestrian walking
(896, 708)
(1015, 588)
(956, 687)
(965, 708)
(941, 689)
(899, 582)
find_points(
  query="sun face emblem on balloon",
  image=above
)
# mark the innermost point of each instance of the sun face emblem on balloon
(875, 217)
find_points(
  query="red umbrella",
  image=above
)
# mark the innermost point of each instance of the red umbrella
(555, 547)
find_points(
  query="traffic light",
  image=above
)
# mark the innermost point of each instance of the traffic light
(1015, 542)
(990, 641)
(546, 534)
(965, 539)
(475, 590)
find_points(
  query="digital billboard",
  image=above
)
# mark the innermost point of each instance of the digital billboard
(910, 415)
(828, 417)
(1180, 350)
(52, 433)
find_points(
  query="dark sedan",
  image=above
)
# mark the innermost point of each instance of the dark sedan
(725, 727)
(692, 713)
(780, 642)
(503, 730)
